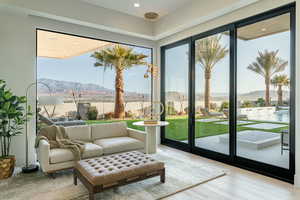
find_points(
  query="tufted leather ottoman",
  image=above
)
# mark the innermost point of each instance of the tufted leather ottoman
(110, 171)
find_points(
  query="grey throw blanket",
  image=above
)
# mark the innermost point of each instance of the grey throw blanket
(57, 138)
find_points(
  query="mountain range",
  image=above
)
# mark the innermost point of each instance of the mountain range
(96, 92)
(88, 91)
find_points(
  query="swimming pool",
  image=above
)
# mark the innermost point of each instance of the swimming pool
(266, 114)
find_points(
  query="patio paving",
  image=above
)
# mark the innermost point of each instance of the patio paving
(266, 126)
(253, 139)
(208, 120)
(270, 155)
(238, 122)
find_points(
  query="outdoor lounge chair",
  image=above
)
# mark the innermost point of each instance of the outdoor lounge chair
(207, 113)
(239, 116)
(285, 140)
(49, 122)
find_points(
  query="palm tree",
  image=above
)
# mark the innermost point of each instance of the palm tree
(279, 81)
(267, 64)
(119, 58)
(209, 52)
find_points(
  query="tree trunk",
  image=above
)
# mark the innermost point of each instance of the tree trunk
(279, 94)
(119, 97)
(207, 91)
(267, 92)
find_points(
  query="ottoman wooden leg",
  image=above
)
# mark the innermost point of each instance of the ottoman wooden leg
(163, 176)
(91, 196)
(75, 177)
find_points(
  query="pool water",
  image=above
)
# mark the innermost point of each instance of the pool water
(277, 116)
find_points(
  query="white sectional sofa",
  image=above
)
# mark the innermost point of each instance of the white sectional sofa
(101, 139)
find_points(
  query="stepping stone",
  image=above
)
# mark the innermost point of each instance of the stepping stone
(208, 120)
(254, 139)
(238, 122)
(266, 126)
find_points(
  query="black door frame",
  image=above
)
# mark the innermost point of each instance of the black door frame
(164, 140)
(232, 158)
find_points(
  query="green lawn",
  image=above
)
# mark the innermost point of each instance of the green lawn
(177, 130)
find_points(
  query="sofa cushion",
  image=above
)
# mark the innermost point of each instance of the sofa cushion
(92, 150)
(82, 133)
(119, 144)
(108, 130)
(64, 155)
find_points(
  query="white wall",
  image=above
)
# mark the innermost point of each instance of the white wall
(17, 66)
(18, 58)
(253, 9)
(195, 12)
(256, 8)
(81, 13)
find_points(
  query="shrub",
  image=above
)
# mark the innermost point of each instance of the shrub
(247, 104)
(224, 105)
(129, 114)
(186, 110)
(181, 113)
(109, 115)
(213, 106)
(260, 102)
(92, 113)
(170, 109)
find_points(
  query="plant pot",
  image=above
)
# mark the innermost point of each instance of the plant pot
(7, 166)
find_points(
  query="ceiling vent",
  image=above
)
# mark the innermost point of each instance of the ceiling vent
(151, 16)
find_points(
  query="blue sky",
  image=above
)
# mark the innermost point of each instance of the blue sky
(81, 69)
(247, 81)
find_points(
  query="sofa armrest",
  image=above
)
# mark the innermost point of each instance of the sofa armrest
(43, 152)
(136, 134)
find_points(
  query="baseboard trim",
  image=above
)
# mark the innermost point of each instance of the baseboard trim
(297, 181)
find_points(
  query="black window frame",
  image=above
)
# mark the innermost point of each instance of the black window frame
(87, 37)
(232, 159)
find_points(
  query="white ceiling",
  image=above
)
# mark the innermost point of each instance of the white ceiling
(162, 7)
(120, 16)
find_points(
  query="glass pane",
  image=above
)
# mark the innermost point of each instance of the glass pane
(263, 79)
(91, 90)
(176, 92)
(212, 93)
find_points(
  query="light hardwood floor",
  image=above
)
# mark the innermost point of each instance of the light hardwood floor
(237, 184)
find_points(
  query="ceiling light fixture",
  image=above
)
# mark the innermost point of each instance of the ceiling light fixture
(137, 5)
(263, 29)
(151, 16)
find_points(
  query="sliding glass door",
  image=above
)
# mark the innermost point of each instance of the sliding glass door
(229, 93)
(176, 85)
(263, 90)
(212, 92)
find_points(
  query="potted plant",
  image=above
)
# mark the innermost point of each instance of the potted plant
(12, 119)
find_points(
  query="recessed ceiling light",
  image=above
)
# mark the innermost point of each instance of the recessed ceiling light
(136, 5)
(263, 29)
(151, 15)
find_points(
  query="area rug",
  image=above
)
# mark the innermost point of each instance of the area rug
(180, 175)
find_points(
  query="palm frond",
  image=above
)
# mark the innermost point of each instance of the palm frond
(268, 63)
(280, 80)
(118, 56)
(209, 52)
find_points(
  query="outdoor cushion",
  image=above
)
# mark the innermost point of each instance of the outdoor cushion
(64, 155)
(109, 130)
(119, 144)
(82, 133)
